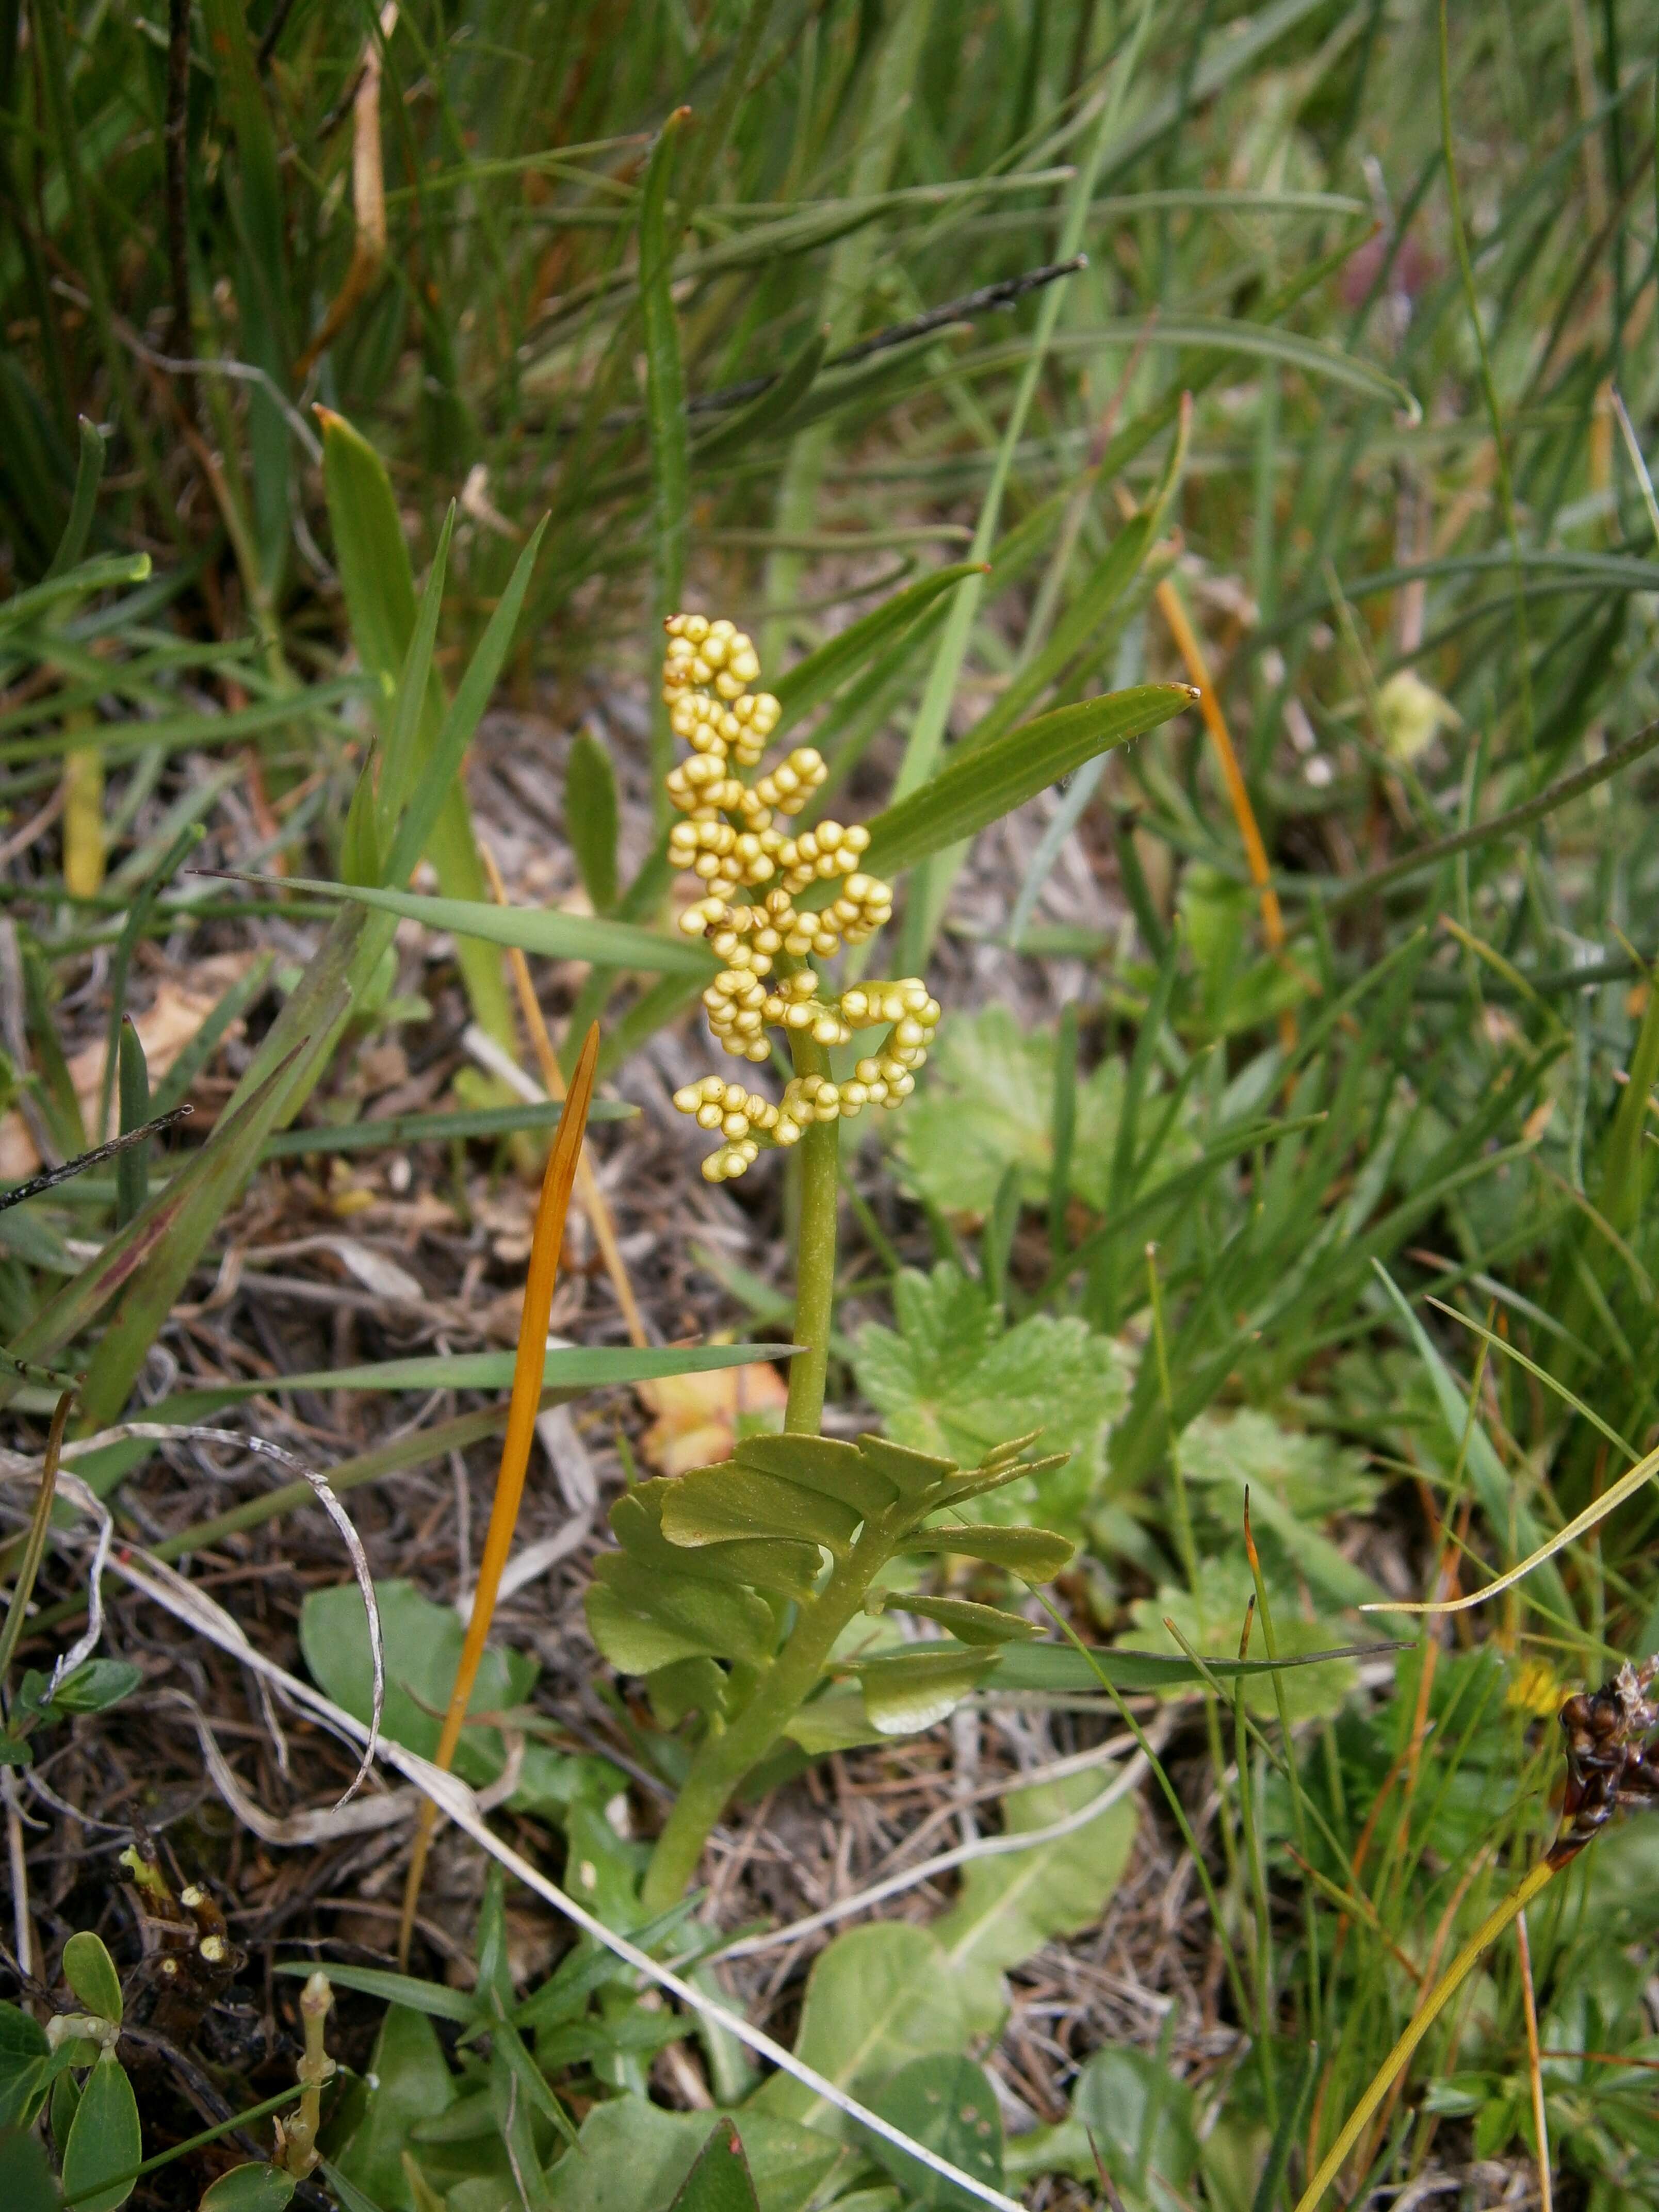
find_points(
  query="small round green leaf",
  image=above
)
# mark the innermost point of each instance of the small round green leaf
(90, 1973)
(255, 2187)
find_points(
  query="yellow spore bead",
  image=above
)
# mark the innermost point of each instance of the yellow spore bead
(794, 780)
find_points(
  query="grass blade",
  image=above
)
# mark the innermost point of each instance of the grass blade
(973, 791)
(533, 929)
(665, 400)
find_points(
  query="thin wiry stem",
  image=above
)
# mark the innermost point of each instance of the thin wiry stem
(1419, 2026)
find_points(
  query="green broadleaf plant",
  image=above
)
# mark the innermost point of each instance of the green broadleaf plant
(708, 1561)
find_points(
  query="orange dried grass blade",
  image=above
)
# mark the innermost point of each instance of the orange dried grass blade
(515, 1445)
(1256, 853)
(590, 1197)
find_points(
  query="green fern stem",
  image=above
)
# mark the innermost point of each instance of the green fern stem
(815, 1254)
(726, 1755)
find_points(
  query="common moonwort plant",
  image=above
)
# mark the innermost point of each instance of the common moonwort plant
(734, 1585)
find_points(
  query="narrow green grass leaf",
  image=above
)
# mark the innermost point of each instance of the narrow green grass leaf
(1541, 1374)
(1492, 1484)
(431, 1998)
(190, 1208)
(88, 476)
(433, 1128)
(1056, 1669)
(421, 760)
(571, 1367)
(591, 818)
(812, 681)
(400, 758)
(124, 1258)
(665, 401)
(433, 799)
(969, 793)
(533, 929)
(106, 574)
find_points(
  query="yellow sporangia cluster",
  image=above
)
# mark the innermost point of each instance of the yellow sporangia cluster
(752, 873)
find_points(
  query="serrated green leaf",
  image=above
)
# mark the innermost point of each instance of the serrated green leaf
(90, 1973)
(1009, 1907)
(823, 1465)
(989, 1100)
(591, 817)
(1294, 1480)
(719, 2181)
(919, 1687)
(543, 931)
(877, 1997)
(789, 1569)
(970, 1622)
(1036, 1555)
(104, 2142)
(968, 794)
(713, 1504)
(255, 2186)
(945, 2103)
(952, 1379)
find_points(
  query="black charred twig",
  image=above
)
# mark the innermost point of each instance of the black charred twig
(53, 1177)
